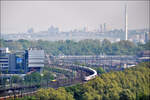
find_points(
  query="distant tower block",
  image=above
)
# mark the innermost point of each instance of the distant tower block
(104, 27)
(101, 28)
(126, 23)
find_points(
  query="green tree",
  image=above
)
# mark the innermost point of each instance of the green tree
(100, 70)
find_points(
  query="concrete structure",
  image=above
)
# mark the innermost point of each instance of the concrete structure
(147, 37)
(36, 59)
(104, 30)
(101, 28)
(126, 23)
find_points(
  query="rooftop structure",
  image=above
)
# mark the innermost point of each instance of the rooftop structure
(4, 50)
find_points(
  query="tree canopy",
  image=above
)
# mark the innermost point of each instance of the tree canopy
(130, 84)
(83, 47)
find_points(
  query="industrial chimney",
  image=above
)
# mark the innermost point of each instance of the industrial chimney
(126, 23)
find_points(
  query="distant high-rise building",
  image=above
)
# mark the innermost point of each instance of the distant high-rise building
(126, 23)
(104, 27)
(101, 28)
(31, 30)
(84, 29)
(147, 37)
(53, 30)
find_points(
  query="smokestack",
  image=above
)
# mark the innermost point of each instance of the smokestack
(126, 23)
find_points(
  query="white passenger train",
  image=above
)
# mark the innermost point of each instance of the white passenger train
(92, 76)
(86, 78)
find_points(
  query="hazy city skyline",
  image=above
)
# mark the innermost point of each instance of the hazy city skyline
(19, 16)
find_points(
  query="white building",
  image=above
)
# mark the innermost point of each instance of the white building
(36, 59)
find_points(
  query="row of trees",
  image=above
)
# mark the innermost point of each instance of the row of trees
(83, 47)
(130, 84)
(34, 78)
(13, 80)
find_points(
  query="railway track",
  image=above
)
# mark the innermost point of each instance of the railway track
(58, 83)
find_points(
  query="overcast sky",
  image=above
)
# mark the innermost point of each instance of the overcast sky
(18, 16)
